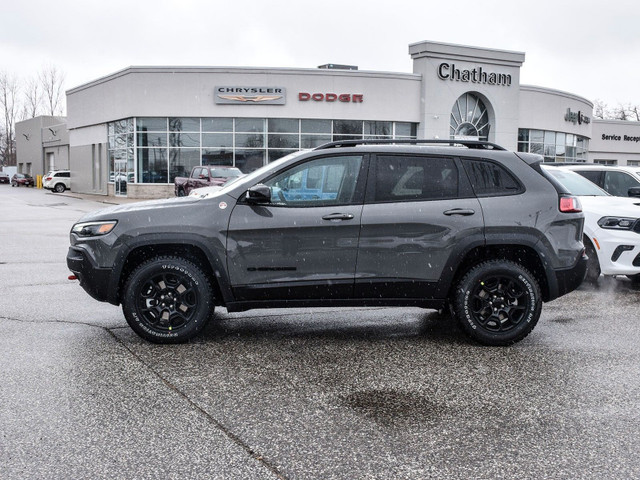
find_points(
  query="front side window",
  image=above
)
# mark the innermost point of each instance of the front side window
(619, 183)
(319, 182)
(414, 178)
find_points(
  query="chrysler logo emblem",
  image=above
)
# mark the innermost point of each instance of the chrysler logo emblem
(241, 95)
(249, 98)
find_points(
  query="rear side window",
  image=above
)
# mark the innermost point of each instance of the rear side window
(414, 178)
(490, 179)
(63, 174)
(594, 176)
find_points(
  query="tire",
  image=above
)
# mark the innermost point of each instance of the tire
(497, 302)
(168, 300)
(593, 265)
(181, 192)
(59, 188)
(635, 279)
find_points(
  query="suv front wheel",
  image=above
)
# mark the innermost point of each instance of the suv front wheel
(167, 300)
(497, 302)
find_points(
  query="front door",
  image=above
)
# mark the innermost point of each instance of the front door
(303, 244)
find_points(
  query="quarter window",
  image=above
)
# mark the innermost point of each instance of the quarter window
(488, 178)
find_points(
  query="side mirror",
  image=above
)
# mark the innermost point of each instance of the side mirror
(259, 193)
(634, 192)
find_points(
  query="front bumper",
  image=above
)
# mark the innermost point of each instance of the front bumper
(93, 279)
(618, 252)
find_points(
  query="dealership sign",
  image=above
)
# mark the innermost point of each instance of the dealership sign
(576, 117)
(238, 95)
(449, 71)
(331, 97)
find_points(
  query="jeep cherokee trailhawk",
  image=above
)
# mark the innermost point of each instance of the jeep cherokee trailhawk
(468, 226)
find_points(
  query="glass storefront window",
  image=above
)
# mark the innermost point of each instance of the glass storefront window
(151, 124)
(249, 125)
(217, 140)
(284, 141)
(378, 128)
(217, 124)
(555, 146)
(347, 127)
(315, 126)
(283, 125)
(313, 141)
(182, 161)
(158, 149)
(177, 124)
(181, 139)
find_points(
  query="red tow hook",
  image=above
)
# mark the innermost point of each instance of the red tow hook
(72, 277)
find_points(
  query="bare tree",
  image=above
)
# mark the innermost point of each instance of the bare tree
(9, 109)
(52, 80)
(32, 99)
(600, 109)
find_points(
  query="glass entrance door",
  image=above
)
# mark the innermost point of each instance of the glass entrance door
(120, 178)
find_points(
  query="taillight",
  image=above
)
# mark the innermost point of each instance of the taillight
(570, 205)
(48, 178)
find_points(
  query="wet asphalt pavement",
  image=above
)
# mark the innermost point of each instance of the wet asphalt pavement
(395, 393)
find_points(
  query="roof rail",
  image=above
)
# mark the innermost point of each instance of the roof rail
(479, 144)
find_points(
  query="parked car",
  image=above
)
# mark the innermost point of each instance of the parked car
(611, 229)
(4, 178)
(25, 179)
(621, 181)
(481, 230)
(57, 181)
(204, 176)
(204, 192)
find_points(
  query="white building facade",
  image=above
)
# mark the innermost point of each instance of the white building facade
(132, 132)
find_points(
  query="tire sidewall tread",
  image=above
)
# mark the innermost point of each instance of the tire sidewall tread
(471, 327)
(141, 274)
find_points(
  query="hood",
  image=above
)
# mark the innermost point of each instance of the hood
(605, 205)
(117, 210)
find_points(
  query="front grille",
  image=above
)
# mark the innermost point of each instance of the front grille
(636, 226)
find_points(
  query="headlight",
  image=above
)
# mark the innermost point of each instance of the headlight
(93, 229)
(617, 223)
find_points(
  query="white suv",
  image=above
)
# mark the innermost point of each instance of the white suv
(611, 226)
(57, 181)
(621, 181)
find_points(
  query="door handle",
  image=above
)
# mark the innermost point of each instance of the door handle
(459, 211)
(338, 216)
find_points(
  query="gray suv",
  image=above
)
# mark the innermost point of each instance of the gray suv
(468, 226)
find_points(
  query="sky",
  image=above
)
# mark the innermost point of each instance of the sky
(589, 48)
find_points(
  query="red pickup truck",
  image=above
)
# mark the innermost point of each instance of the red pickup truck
(204, 176)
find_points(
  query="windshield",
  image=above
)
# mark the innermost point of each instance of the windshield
(576, 183)
(225, 172)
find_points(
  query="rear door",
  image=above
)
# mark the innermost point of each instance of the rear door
(418, 210)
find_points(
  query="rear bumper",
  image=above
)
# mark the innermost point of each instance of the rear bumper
(93, 279)
(567, 280)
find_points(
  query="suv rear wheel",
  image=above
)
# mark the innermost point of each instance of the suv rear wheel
(497, 302)
(59, 188)
(167, 300)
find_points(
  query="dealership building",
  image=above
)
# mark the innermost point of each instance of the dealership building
(131, 133)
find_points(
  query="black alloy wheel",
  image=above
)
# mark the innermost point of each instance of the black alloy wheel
(168, 300)
(498, 302)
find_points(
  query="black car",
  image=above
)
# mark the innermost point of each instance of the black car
(469, 226)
